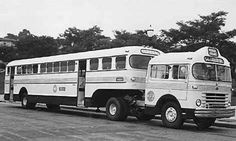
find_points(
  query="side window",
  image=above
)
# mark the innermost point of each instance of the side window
(71, 66)
(183, 72)
(175, 71)
(18, 71)
(43, 68)
(106, 63)
(56, 66)
(35, 68)
(120, 62)
(94, 64)
(63, 67)
(29, 69)
(24, 69)
(49, 67)
(180, 72)
(160, 71)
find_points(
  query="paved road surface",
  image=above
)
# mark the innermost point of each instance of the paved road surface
(19, 124)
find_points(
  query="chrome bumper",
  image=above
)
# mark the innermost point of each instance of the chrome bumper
(215, 113)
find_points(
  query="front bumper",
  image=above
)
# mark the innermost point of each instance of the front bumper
(214, 113)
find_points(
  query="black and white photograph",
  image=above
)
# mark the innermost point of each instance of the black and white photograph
(117, 70)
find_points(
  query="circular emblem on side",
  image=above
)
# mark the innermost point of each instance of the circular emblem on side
(150, 96)
(55, 88)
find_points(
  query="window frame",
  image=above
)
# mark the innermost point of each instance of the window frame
(35, 68)
(49, 67)
(216, 71)
(117, 65)
(179, 71)
(63, 68)
(96, 66)
(106, 64)
(43, 68)
(135, 55)
(19, 70)
(163, 76)
(71, 67)
(56, 69)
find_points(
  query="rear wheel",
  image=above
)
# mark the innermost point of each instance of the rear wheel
(171, 115)
(25, 103)
(204, 123)
(116, 109)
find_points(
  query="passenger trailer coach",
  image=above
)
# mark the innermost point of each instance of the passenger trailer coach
(135, 80)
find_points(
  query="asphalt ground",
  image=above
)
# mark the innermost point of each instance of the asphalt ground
(223, 122)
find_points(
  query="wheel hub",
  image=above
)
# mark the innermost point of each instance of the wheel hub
(112, 109)
(171, 114)
(24, 100)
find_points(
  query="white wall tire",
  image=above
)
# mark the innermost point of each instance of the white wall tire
(171, 115)
(25, 102)
(116, 109)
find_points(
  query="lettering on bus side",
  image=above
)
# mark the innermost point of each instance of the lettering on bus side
(62, 88)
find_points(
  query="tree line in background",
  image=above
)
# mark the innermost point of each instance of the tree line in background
(189, 36)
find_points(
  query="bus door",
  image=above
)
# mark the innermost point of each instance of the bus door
(11, 87)
(81, 82)
(180, 83)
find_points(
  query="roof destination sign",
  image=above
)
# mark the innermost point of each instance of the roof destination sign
(149, 52)
(213, 52)
(213, 59)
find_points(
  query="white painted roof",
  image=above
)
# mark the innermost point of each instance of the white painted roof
(185, 57)
(83, 55)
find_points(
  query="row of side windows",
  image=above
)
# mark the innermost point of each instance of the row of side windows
(163, 71)
(69, 66)
(63, 66)
(120, 62)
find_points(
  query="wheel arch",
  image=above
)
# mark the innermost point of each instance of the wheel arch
(101, 96)
(23, 90)
(164, 99)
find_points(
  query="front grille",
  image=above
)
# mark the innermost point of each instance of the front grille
(214, 100)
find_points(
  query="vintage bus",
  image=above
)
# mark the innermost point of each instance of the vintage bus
(194, 85)
(91, 79)
(136, 81)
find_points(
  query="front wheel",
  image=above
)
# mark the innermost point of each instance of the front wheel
(171, 115)
(116, 109)
(204, 123)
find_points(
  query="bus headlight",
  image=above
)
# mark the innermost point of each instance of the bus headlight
(198, 102)
(133, 79)
(229, 104)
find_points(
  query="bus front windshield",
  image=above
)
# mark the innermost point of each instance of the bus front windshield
(211, 72)
(139, 61)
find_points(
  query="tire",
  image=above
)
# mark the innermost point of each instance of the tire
(171, 115)
(53, 107)
(204, 123)
(25, 103)
(116, 109)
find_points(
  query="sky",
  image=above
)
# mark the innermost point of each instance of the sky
(53, 17)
